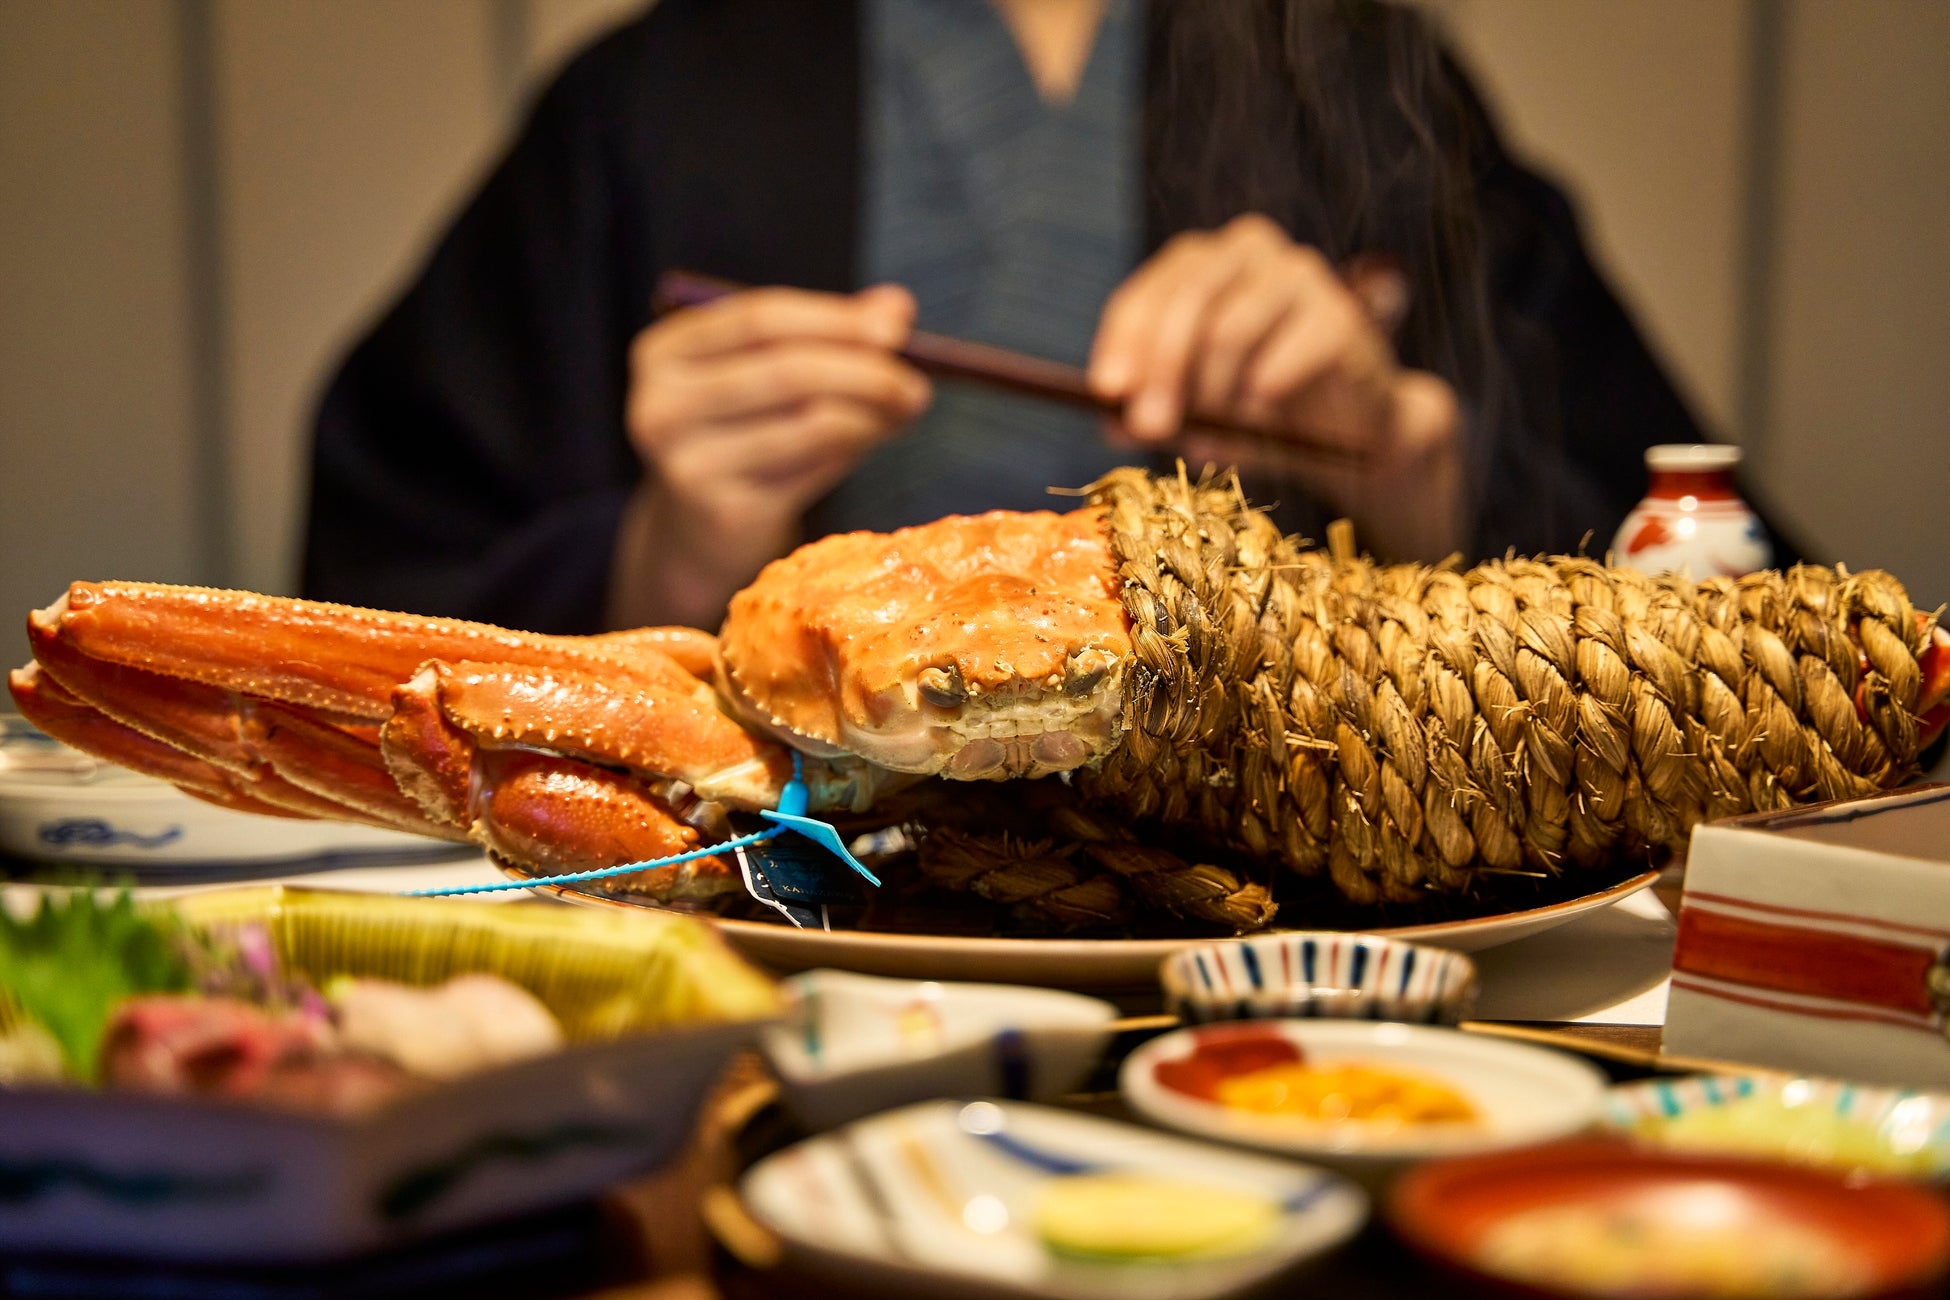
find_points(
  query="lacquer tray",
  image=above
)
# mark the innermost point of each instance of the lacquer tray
(652, 1012)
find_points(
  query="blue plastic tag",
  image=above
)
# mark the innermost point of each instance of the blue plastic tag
(799, 879)
(811, 828)
(791, 815)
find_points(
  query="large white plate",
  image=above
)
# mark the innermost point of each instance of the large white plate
(1104, 964)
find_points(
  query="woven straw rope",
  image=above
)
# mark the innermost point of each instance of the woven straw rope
(1405, 727)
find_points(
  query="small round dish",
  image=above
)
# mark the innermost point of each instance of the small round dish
(1849, 1127)
(1515, 1093)
(1600, 1218)
(1323, 974)
(850, 1045)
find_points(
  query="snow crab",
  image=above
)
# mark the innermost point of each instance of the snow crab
(564, 754)
(1393, 729)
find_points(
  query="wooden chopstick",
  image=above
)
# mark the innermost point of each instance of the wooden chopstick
(1018, 372)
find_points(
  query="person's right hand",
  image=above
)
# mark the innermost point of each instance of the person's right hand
(748, 409)
(744, 412)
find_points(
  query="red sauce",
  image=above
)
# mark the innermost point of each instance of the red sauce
(1220, 1055)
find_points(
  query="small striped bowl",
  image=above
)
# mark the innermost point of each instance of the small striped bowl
(1318, 974)
(1828, 1122)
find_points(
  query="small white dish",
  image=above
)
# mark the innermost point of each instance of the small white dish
(850, 1044)
(942, 1198)
(1856, 1128)
(1318, 973)
(58, 805)
(1519, 1093)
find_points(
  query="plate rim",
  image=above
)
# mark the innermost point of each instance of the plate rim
(1031, 957)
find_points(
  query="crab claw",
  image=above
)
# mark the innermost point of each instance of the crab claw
(661, 723)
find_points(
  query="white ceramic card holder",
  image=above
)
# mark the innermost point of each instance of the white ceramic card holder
(1814, 940)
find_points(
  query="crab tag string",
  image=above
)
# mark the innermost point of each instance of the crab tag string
(575, 877)
(789, 816)
(824, 836)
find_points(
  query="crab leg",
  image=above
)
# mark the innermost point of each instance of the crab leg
(450, 744)
(197, 719)
(287, 691)
(73, 721)
(547, 812)
(265, 752)
(341, 768)
(286, 699)
(337, 660)
(556, 815)
(695, 651)
(1933, 705)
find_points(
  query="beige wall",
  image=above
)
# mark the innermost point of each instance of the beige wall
(1638, 106)
(327, 199)
(1643, 107)
(96, 422)
(1859, 440)
(330, 201)
(340, 134)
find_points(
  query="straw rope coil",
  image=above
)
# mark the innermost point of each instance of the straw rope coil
(1404, 728)
(1081, 869)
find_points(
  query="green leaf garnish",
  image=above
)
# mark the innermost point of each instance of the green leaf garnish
(69, 965)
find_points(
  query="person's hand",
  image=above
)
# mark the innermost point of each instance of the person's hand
(744, 412)
(1244, 326)
(750, 408)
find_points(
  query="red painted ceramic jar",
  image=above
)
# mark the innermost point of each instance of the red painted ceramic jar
(1692, 520)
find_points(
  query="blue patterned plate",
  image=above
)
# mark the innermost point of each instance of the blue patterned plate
(60, 806)
(964, 1197)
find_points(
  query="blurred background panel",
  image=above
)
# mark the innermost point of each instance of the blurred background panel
(346, 131)
(1638, 106)
(102, 472)
(1766, 181)
(1855, 422)
(203, 201)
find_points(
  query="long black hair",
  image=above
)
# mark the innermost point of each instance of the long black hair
(1347, 122)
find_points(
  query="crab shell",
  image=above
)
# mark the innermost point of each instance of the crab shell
(989, 646)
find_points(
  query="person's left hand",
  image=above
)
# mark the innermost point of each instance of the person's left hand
(1244, 326)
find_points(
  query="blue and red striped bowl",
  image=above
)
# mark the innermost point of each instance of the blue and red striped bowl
(1318, 974)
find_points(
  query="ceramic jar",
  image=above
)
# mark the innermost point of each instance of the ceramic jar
(1692, 519)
